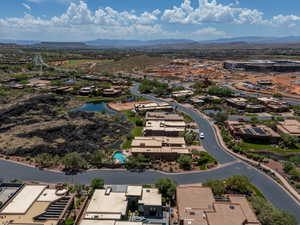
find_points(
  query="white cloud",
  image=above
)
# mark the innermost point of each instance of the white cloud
(209, 32)
(211, 12)
(26, 6)
(289, 20)
(81, 23)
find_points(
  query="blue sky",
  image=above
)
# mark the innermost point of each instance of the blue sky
(81, 20)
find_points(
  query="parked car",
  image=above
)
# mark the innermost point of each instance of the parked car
(202, 135)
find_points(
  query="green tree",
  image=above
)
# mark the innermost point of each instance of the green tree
(96, 159)
(289, 141)
(221, 117)
(269, 215)
(45, 160)
(218, 187)
(166, 187)
(288, 166)
(190, 137)
(97, 183)
(74, 162)
(139, 161)
(185, 161)
(218, 91)
(69, 221)
(238, 184)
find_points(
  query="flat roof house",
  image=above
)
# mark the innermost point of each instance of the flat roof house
(196, 205)
(164, 116)
(291, 127)
(110, 206)
(273, 104)
(154, 106)
(164, 128)
(239, 103)
(165, 148)
(182, 93)
(251, 132)
(35, 204)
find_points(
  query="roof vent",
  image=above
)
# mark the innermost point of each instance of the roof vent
(231, 207)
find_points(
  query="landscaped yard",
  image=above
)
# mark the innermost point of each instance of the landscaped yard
(260, 147)
(136, 131)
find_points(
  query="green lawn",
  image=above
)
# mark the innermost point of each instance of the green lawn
(136, 131)
(259, 147)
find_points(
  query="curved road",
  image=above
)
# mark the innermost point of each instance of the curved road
(274, 193)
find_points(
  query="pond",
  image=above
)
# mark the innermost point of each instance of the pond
(120, 157)
(96, 107)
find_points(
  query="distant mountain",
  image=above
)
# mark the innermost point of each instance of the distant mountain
(18, 42)
(61, 45)
(256, 40)
(137, 43)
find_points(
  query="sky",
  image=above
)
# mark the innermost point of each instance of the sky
(84, 20)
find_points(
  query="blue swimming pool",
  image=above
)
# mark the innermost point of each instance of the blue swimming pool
(120, 157)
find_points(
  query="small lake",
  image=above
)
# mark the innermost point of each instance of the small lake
(97, 107)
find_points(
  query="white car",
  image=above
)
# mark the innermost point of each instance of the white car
(202, 135)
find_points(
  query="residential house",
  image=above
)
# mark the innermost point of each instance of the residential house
(252, 132)
(110, 206)
(274, 105)
(111, 92)
(35, 205)
(159, 148)
(153, 106)
(290, 127)
(196, 205)
(164, 128)
(183, 93)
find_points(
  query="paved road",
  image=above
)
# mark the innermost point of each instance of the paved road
(271, 189)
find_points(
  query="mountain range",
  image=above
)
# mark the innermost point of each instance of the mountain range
(114, 43)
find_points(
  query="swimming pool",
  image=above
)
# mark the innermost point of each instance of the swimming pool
(120, 157)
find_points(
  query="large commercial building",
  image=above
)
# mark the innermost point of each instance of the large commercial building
(264, 65)
(196, 205)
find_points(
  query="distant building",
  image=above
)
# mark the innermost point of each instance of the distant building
(252, 132)
(239, 103)
(243, 104)
(273, 104)
(164, 148)
(164, 128)
(265, 82)
(164, 116)
(164, 124)
(264, 65)
(196, 205)
(183, 93)
(290, 127)
(111, 92)
(154, 106)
